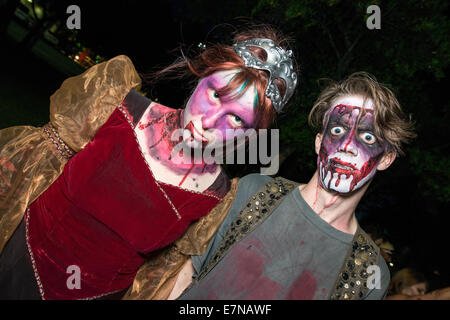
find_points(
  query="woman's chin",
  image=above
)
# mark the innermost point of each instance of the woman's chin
(194, 144)
(187, 163)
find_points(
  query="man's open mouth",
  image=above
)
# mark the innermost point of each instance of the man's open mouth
(339, 164)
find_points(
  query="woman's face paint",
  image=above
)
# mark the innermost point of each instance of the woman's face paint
(208, 115)
(349, 152)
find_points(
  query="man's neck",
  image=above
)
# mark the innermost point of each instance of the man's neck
(336, 209)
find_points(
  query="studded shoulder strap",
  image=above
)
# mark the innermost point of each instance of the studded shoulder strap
(351, 283)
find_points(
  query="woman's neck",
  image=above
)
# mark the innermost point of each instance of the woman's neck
(170, 161)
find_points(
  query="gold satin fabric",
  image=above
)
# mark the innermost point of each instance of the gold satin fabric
(30, 163)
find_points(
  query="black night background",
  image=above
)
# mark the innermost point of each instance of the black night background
(408, 203)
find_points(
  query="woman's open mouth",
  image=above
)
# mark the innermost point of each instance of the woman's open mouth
(195, 134)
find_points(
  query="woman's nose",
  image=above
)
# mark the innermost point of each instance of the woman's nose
(210, 119)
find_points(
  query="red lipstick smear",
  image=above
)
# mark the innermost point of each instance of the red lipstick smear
(195, 133)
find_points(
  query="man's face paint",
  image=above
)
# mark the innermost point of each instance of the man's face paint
(349, 152)
(208, 115)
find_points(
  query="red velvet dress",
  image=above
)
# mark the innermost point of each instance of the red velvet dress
(104, 214)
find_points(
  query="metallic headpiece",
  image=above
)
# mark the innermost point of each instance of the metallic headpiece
(278, 63)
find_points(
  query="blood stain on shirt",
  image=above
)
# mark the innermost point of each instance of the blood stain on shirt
(303, 288)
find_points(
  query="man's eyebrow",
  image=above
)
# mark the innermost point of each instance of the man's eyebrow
(353, 107)
(338, 119)
(366, 120)
(366, 127)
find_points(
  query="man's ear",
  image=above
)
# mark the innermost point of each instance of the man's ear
(386, 161)
(318, 142)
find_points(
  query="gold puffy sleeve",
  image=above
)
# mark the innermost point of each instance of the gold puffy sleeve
(84, 103)
(32, 158)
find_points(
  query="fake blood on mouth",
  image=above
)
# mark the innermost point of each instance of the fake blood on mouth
(358, 175)
(194, 132)
(340, 171)
(364, 171)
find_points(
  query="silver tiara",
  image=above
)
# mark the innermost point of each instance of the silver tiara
(278, 63)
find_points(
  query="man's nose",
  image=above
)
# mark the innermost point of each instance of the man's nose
(348, 145)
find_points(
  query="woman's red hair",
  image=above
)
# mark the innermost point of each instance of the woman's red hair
(218, 57)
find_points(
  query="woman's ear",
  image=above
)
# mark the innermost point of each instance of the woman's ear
(386, 161)
(318, 142)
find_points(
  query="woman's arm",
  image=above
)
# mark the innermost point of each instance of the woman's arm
(184, 279)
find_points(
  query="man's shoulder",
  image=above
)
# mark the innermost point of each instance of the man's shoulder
(251, 183)
(247, 186)
(382, 276)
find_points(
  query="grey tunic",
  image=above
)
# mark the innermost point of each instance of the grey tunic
(294, 254)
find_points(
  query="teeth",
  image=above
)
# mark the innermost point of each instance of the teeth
(342, 167)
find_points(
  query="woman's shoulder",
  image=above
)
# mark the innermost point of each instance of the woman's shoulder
(158, 110)
(83, 103)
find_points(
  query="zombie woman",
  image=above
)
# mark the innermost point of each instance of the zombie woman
(85, 199)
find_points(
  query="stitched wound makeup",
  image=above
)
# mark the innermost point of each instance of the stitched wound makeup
(350, 151)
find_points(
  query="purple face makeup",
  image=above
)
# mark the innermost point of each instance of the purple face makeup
(208, 115)
(349, 152)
